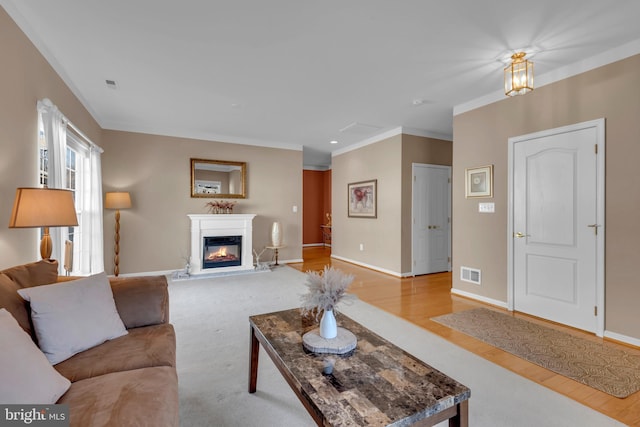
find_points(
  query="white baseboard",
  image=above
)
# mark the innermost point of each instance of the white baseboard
(371, 267)
(308, 245)
(480, 298)
(622, 338)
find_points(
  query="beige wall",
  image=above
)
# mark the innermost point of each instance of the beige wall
(386, 239)
(155, 169)
(380, 236)
(26, 77)
(480, 138)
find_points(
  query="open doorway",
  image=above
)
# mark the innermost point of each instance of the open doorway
(316, 208)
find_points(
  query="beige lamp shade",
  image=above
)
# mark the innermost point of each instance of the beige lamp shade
(117, 200)
(43, 207)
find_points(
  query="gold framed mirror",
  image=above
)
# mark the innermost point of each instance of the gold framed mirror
(218, 179)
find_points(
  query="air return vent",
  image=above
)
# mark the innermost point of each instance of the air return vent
(472, 275)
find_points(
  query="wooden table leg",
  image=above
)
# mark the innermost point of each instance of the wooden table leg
(254, 352)
(462, 417)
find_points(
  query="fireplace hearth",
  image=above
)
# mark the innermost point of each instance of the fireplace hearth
(221, 251)
(221, 243)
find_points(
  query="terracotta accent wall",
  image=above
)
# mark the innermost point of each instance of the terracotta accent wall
(155, 232)
(26, 77)
(386, 239)
(480, 138)
(313, 206)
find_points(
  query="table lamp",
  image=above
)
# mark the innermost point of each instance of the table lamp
(117, 200)
(43, 207)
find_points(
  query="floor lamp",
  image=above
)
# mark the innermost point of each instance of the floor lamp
(43, 207)
(117, 200)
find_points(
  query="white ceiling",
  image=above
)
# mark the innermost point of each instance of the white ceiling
(295, 73)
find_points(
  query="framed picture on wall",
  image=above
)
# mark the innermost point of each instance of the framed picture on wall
(363, 199)
(479, 181)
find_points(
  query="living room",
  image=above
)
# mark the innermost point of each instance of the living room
(155, 170)
(132, 162)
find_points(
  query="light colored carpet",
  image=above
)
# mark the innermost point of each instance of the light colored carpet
(211, 321)
(607, 369)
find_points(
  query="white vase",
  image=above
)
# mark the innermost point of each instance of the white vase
(328, 325)
(276, 234)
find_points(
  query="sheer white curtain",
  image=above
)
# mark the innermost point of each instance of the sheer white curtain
(55, 134)
(88, 242)
(92, 235)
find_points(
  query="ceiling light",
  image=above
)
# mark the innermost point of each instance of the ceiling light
(518, 76)
(334, 142)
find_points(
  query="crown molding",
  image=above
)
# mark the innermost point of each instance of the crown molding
(371, 140)
(391, 133)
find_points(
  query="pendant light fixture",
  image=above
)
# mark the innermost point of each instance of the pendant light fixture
(518, 76)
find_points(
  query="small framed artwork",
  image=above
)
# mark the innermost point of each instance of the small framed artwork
(363, 199)
(479, 181)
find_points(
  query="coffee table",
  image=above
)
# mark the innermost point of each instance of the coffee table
(378, 384)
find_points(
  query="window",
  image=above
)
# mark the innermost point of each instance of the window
(80, 173)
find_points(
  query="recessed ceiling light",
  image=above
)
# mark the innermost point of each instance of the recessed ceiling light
(334, 142)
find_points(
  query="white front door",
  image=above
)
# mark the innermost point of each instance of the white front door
(431, 231)
(557, 224)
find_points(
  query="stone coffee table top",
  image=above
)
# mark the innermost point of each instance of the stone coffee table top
(377, 384)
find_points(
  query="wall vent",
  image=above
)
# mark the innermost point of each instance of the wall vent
(472, 275)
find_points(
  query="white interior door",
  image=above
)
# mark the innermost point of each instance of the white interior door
(557, 224)
(431, 231)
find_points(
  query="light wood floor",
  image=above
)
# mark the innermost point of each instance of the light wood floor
(420, 298)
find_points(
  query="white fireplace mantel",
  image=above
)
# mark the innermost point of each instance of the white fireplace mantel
(213, 225)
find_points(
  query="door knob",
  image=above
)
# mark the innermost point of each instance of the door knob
(519, 235)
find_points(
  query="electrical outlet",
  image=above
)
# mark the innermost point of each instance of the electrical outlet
(295, 209)
(362, 246)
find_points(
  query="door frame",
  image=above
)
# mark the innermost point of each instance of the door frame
(599, 125)
(413, 204)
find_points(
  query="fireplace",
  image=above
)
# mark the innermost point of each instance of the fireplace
(221, 243)
(221, 251)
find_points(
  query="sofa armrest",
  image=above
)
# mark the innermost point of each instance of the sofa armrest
(141, 301)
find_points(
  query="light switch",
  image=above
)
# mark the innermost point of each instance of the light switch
(295, 209)
(486, 207)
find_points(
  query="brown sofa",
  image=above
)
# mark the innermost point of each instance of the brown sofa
(130, 380)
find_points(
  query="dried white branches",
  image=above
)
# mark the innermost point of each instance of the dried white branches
(326, 290)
